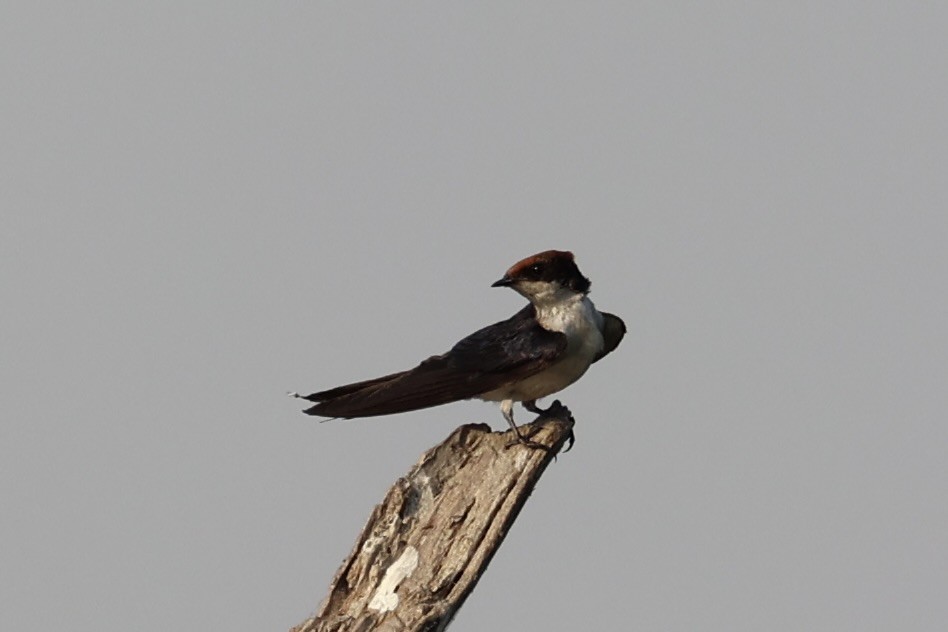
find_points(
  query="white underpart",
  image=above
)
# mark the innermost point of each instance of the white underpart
(575, 316)
(385, 598)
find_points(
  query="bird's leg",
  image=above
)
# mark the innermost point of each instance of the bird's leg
(506, 407)
(556, 408)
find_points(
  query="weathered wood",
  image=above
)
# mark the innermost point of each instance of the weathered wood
(425, 547)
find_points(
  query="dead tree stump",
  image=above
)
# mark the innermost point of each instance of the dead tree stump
(427, 544)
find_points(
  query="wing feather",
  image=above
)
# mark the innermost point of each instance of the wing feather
(613, 330)
(509, 350)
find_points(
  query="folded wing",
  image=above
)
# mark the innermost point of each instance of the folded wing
(613, 330)
(487, 359)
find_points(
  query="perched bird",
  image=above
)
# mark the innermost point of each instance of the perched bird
(538, 351)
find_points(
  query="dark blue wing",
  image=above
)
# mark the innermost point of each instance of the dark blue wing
(613, 330)
(516, 344)
(487, 359)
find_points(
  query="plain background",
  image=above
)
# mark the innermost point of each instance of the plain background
(207, 205)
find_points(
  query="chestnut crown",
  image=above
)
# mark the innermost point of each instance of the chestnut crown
(550, 266)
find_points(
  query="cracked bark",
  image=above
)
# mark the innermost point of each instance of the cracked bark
(427, 544)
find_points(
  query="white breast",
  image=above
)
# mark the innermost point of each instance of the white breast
(579, 320)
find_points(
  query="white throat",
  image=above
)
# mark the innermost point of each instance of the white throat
(572, 314)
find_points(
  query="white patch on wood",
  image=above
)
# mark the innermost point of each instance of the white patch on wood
(385, 599)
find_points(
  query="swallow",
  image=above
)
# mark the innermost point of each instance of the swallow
(540, 350)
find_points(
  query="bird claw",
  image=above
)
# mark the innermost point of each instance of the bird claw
(555, 410)
(527, 442)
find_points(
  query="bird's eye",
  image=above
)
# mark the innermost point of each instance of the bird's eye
(536, 268)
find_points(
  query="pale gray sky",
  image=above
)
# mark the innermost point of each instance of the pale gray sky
(208, 205)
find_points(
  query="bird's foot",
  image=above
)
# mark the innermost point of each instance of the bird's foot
(555, 410)
(526, 441)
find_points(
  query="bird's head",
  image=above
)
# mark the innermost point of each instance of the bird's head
(548, 277)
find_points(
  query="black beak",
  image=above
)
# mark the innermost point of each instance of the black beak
(504, 282)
